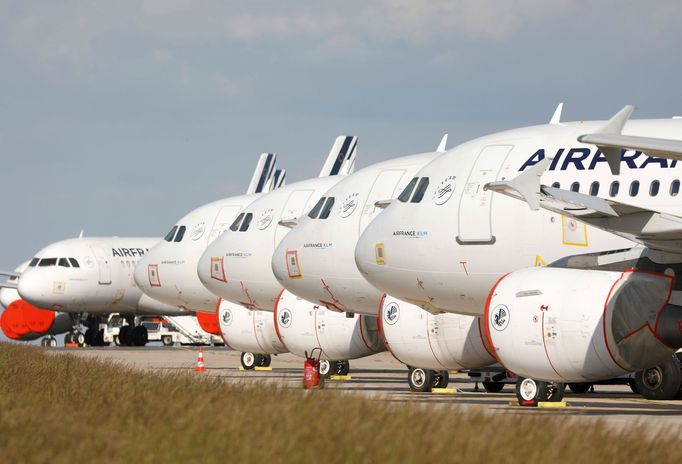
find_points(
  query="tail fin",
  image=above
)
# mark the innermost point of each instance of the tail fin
(262, 176)
(278, 180)
(341, 159)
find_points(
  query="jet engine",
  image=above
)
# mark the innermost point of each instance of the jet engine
(576, 325)
(440, 342)
(23, 321)
(303, 325)
(247, 330)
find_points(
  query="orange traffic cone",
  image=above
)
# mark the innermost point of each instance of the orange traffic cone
(200, 361)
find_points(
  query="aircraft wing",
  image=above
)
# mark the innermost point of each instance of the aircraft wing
(654, 229)
(10, 273)
(8, 285)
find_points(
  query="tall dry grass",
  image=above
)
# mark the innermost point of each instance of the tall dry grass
(68, 409)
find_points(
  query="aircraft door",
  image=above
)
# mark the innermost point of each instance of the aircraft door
(223, 220)
(293, 209)
(475, 205)
(383, 189)
(103, 265)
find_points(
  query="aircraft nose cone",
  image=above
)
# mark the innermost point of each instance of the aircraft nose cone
(33, 288)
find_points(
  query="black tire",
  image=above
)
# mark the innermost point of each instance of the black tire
(90, 337)
(530, 392)
(263, 360)
(662, 382)
(633, 386)
(167, 340)
(342, 367)
(79, 338)
(327, 368)
(441, 379)
(580, 387)
(249, 361)
(139, 335)
(124, 335)
(68, 338)
(420, 380)
(493, 387)
(99, 338)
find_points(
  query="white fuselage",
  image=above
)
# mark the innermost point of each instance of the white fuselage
(90, 275)
(237, 265)
(168, 272)
(324, 247)
(446, 251)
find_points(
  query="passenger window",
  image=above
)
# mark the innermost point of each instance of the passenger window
(63, 262)
(674, 188)
(46, 262)
(421, 189)
(73, 262)
(575, 187)
(405, 195)
(327, 208)
(235, 225)
(634, 188)
(556, 185)
(594, 189)
(246, 223)
(181, 234)
(33, 262)
(654, 187)
(316, 209)
(613, 191)
(171, 234)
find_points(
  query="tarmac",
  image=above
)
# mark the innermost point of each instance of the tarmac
(384, 378)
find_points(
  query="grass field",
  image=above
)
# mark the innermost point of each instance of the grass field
(59, 408)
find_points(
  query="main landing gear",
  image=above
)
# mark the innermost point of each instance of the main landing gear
(132, 335)
(425, 380)
(329, 368)
(48, 341)
(530, 392)
(662, 382)
(252, 360)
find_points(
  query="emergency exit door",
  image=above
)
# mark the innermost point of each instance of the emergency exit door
(475, 222)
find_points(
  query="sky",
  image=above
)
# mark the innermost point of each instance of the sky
(118, 118)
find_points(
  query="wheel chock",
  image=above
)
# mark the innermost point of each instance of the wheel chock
(240, 368)
(262, 368)
(447, 391)
(340, 377)
(552, 404)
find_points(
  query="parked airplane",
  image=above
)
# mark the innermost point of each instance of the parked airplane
(589, 317)
(22, 321)
(92, 277)
(168, 271)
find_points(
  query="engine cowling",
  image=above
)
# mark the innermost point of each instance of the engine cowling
(578, 325)
(249, 330)
(303, 325)
(432, 341)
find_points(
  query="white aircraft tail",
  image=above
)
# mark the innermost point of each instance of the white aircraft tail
(279, 179)
(262, 176)
(341, 159)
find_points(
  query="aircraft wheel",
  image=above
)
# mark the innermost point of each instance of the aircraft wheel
(580, 387)
(441, 379)
(139, 335)
(99, 338)
(43, 341)
(248, 361)
(342, 367)
(328, 368)
(124, 335)
(263, 360)
(493, 387)
(167, 340)
(68, 338)
(79, 338)
(556, 391)
(530, 392)
(90, 337)
(660, 382)
(420, 380)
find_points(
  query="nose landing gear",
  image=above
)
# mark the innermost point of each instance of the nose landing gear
(530, 392)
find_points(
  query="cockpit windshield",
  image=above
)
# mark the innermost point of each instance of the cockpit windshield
(33, 262)
(48, 262)
(171, 234)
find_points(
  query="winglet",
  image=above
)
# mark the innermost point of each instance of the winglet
(613, 126)
(556, 117)
(526, 185)
(261, 179)
(442, 144)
